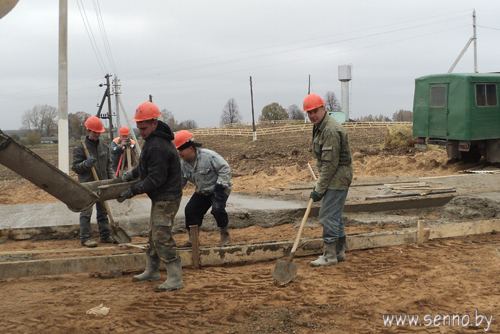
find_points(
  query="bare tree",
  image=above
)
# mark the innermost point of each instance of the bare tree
(402, 116)
(168, 118)
(188, 124)
(331, 102)
(42, 118)
(273, 112)
(76, 123)
(294, 112)
(230, 113)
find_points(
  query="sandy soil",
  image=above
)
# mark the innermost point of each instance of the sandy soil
(448, 276)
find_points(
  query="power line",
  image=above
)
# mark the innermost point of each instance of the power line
(90, 34)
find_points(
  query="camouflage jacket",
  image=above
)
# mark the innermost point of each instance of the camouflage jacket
(333, 154)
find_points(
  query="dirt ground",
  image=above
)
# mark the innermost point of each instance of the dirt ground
(444, 276)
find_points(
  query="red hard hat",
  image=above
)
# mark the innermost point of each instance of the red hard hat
(93, 123)
(182, 137)
(147, 110)
(124, 131)
(313, 101)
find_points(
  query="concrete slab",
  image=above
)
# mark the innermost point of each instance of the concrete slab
(133, 215)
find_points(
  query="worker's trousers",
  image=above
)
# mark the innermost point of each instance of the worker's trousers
(161, 243)
(330, 215)
(102, 222)
(199, 204)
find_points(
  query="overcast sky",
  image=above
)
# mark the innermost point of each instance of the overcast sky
(193, 56)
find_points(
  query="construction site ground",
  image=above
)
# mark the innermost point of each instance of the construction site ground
(442, 276)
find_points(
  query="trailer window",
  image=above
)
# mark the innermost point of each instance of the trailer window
(486, 95)
(438, 97)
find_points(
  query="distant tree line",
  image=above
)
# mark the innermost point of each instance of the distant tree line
(399, 116)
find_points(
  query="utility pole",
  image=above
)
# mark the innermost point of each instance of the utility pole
(309, 86)
(253, 118)
(63, 124)
(117, 105)
(107, 94)
(472, 39)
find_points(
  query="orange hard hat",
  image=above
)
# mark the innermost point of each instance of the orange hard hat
(147, 110)
(124, 131)
(93, 123)
(182, 137)
(313, 101)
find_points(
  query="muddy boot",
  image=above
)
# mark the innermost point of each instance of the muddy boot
(187, 243)
(224, 236)
(152, 272)
(341, 249)
(174, 277)
(329, 256)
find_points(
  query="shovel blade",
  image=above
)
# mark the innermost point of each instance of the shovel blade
(120, 235)
(285, 271)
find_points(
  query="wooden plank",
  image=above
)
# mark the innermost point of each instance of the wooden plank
(461, 229)
(359, 182)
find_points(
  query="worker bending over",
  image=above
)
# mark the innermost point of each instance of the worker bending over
(211, 175)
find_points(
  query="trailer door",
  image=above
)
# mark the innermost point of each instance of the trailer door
(438, 113)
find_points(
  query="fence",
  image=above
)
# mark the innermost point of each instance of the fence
(288, 127)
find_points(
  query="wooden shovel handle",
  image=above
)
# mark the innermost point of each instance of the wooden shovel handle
(299, 234)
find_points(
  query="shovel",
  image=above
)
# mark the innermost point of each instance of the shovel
(117, 232)
(286, 270)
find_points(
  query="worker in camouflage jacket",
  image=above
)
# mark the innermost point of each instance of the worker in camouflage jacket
(100, 160)
(334, 162)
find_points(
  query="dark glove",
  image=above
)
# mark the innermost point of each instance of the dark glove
(126, 143)
(315, 195)
(90, 162)
(125, 195)
(127, 176)
(219, 193)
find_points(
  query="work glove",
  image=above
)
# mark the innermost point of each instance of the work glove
(219, 193)
(90, 162)
(126, 143)
(127, 176)
(125, 195)
(315, 195)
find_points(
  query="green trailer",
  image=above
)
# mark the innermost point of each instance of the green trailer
(460, 111)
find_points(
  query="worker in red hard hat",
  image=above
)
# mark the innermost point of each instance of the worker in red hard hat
(159, 171)
(99, 160)
(118, 147)
(211, 175)
(334, 162)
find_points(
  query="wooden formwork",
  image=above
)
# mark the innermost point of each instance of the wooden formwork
(241, 253)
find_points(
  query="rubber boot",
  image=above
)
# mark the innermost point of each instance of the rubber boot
(224, 236)
(152, 272)
(174, 277)
(329, 256)
(341, 249)
(187, 243)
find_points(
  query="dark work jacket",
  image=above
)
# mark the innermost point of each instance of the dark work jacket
(102, 166)
(159, 167)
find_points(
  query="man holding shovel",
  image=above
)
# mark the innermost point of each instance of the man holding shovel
(100, 160)
(334, 162)
(160, 172)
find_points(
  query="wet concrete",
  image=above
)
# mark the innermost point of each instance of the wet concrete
(477, 197)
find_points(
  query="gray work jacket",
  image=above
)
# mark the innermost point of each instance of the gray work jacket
(208, 170)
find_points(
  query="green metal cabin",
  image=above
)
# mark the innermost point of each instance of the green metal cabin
(460, 111)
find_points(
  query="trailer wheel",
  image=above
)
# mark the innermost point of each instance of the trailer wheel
(474, 155)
